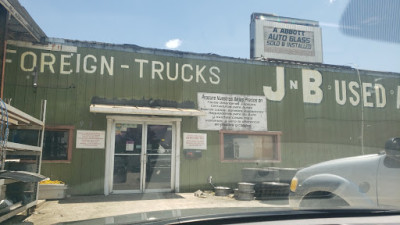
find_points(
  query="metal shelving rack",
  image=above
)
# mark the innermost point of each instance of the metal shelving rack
(20, 120)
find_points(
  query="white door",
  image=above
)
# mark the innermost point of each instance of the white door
(143, 157)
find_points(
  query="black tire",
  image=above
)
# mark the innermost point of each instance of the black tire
(322, 200)
(273, 191)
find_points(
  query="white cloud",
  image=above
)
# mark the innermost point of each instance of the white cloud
(334, 25)
(173, 43)
(331, 1)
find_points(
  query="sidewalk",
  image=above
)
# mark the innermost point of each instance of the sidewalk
(91, 207)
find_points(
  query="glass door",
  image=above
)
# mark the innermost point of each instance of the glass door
(158, 157)
(143, 157)
(128, 156)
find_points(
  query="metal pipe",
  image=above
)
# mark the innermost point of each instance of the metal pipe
(362, 107)
(4, 54)
(210, 181)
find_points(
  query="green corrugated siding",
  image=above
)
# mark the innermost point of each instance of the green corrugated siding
(310, 132)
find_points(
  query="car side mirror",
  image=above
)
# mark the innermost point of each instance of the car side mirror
(392, 147)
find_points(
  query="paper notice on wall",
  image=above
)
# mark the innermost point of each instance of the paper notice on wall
(232, 112)
(90, 139)
(197, 141)
(129, 146)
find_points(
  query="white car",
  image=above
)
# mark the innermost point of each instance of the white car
(367, 181)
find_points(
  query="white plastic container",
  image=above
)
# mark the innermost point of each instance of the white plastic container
(52, 191)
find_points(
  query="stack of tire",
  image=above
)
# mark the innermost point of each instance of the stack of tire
(271, 183)
(245, 191)
(274, 191)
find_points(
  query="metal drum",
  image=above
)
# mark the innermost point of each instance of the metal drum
(246, 187)
(245, 196)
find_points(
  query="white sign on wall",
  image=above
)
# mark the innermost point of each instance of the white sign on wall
(196, 141)
(232, 112)
(90, 139)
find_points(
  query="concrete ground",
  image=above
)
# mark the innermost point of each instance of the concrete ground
(92, 207)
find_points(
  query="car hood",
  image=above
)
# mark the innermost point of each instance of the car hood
(232, 215)
(171, 216)
(357, 167)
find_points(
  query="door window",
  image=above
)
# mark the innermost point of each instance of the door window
(142, 157)
(159, 150)
(127, 158)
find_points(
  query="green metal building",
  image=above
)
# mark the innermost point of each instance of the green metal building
(127, 119)
(197, 115)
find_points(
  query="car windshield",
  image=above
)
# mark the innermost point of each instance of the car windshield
(123, 107)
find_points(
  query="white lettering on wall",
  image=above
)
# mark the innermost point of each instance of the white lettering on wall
(368, 94)
(342, 100)
(199, 74)
(183, 73)
(312, 81)
(214, 71)
(92, 68)
(65, 62)
(155, 70)
(141, 62)
(108, 65)
(47, 59)
(294, 84)
(78, 63)
(366, 89)
(176, 72)
(380, 95)
(354, 100)
(398, 97)
(70, 63)
(23, 58)
(279, 93)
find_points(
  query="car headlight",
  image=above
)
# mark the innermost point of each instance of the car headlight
(293, 184)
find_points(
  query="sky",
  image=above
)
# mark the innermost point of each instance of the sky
(207, 26)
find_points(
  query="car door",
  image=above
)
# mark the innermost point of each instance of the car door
(388, 181)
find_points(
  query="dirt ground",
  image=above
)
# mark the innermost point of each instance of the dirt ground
(92, 207)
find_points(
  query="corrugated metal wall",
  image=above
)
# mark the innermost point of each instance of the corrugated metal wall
(310, 132)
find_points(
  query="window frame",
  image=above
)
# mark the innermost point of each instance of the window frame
(70, 130)
(276, 137)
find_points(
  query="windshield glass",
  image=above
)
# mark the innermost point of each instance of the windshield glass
(172, 105)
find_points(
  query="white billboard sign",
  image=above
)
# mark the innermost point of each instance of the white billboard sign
(276, 40)
(288, 41)
(232, 112)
